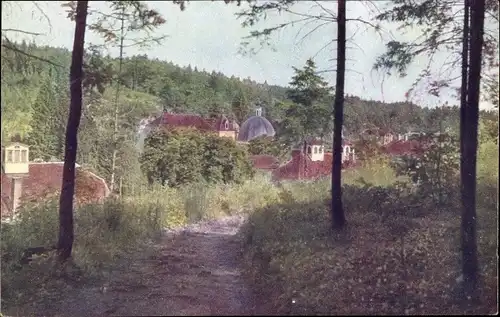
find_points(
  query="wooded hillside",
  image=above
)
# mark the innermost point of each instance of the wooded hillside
(35, 102)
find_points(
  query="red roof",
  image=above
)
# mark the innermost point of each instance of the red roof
(45, 179)
(195, 121)
(302, 167)
(266, 162)
(405, 147)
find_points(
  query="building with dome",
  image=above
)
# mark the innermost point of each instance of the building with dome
(255, 126)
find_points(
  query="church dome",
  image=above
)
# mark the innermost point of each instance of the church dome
(255, 127)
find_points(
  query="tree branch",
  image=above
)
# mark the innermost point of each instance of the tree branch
(21, 31)
(13, 48)
(37, 5)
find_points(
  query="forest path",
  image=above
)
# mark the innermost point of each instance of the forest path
(192, 272)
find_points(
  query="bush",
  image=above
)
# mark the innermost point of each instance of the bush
(180, 157)
(266, 146)
(376, 171)
(436, 171)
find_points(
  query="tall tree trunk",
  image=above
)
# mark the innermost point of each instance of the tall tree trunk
(66, 234)
(469, 149)
(463, 88)
(337, 210)
(117, 96)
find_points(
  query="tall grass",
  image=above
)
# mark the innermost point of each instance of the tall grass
(377, 172)
(105, 232)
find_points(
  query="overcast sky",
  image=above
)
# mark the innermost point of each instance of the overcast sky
(208, 35)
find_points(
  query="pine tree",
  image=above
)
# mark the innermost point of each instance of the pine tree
(42, 138)
(310, 108)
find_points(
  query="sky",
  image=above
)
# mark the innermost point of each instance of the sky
(208, 35)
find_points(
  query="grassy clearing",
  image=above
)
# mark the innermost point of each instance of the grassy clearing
(104, 233)
(398, 255)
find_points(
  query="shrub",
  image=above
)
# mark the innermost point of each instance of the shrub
(368, 150)
(376, 171)
(266, 146)
(180, 157)
(436, 171)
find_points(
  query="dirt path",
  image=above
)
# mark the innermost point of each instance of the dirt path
(194, 271)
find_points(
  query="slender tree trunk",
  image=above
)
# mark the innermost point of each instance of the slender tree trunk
(439, 158)
(463, 88)
(66, 234)
(469, 150)
(337, 210)
(117, 96)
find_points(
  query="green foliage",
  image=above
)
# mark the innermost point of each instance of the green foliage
(103, 232)
(394, 238)
(487, 175)
(436, 171)
(240, 106)
(309, 114)
(184, 156)
(488, 130)
(106, 232)
(266, 146)
(150, 85)
(367, 149)
(441, 27)
(49, 117)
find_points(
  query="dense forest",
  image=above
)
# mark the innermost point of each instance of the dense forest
(35, 104)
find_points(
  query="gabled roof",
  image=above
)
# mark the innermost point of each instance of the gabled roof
(400, 147)
(45, 179)
(195, 121)
(302, 167)
(266, 162)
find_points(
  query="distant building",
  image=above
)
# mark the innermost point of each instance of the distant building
(311, 161)
(221, 125)
(382, 136)
(264, 162)
(35, 181)
(255, 127)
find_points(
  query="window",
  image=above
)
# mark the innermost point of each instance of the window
(17, 156)
(347, 149)
(9, 156)
(226, 125)
(24, 156)
(309, 151)
(315, 150)
(320, 149)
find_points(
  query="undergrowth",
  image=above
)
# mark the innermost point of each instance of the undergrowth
(106, 232)
(399, 253)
